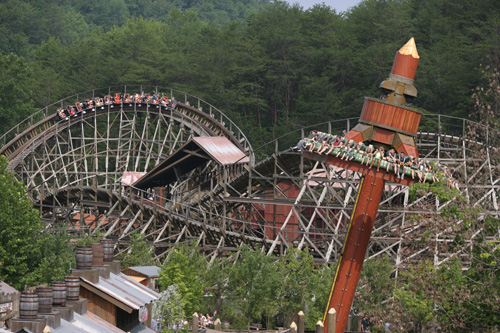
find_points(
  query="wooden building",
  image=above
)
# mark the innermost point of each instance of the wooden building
(115, 297)
(146, 275)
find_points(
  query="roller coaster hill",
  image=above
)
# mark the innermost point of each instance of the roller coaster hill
(177, 170)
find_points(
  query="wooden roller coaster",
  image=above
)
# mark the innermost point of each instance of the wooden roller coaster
(74, 172)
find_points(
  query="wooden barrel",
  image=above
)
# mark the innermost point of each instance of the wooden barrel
(44, 299)
(84, 257)
(59, 292)
(72, 288)
(108, 250)
(97, 254)
(28, 305)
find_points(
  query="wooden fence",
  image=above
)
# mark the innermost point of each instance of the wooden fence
(294, 327)
(9, 308)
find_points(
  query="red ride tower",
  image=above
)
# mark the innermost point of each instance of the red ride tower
(391, 122)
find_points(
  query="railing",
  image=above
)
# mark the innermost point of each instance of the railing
(441, 126)
(178, 95)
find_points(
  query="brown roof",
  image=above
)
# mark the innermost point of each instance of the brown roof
(221, 149)
(197, 151)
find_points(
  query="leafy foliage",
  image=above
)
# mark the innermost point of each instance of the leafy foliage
(57, 257)
(16, 78)
(281, 68)
(254, 282)
(296, 268)
(168, 310)
(19, 230)
(140, 253)
(184, 269)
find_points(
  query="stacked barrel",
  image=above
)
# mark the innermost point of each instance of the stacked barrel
(84, 257)
(95, 255)
(28, 306)
(44, 298)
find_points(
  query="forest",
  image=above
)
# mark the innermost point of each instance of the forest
(272, 68)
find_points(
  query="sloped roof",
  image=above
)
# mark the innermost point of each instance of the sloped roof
(6, 289)
(121, 290)
(149, 271)
(141, 329)
(88, 323)
(197, 151)
(221, 149)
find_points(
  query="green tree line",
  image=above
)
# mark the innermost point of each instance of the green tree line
(248, 287)
(30, 255)
(271, 67)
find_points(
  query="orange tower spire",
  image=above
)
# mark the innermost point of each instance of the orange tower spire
(406, 61)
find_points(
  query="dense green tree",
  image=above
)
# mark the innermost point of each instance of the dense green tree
(296, 268)
(375, 288)
(140, 253)
(253, 283)
(16, 82)
(103, 13)
(16, 24)
(284, 67)
(19, 230)
(278, 28)
(168, 310)
(184, 268)
(49, 66)
(319, 286)
(57, 258)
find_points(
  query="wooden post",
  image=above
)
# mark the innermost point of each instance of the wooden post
(332, 321)
(217, 324)
(293, 328)
(194, 325)
(301, 322)
(320, 328)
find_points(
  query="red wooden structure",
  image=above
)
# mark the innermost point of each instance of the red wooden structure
(388, 121)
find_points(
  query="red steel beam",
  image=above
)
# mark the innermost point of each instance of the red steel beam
(387, 121)
(354, 248)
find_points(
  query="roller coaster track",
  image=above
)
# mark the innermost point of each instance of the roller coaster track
(72, 170)
(198, 121)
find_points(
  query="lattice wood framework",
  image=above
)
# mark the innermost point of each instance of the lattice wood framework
(73, 169)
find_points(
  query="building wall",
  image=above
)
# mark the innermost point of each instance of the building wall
(99, 306)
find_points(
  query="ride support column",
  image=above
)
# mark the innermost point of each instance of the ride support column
(354, 248)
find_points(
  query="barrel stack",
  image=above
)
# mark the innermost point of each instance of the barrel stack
(108, 255)
(44, 299)
(47, 305)
(28, 314)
